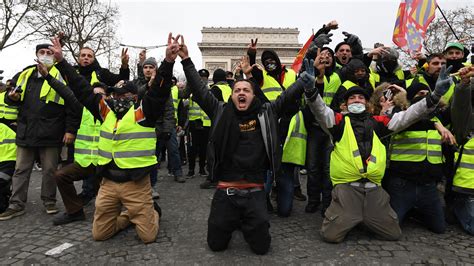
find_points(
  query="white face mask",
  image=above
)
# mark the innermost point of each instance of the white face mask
(356, 108)
(46, 60)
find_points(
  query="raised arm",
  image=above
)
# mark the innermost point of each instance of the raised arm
(200, 91)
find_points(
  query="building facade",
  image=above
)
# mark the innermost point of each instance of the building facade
(224, 47)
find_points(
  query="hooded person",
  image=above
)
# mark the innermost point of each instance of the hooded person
(356, 74)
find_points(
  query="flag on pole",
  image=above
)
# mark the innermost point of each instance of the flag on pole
(413, 19)
(296, 66)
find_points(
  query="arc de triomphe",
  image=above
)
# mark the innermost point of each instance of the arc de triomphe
(223, 47)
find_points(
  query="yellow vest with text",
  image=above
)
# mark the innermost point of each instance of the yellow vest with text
(7, 144)
(374, 77)
(331, 87)
(272, 89)
(346, 163)
(126, 142)
(294, 149)
(8, 112)
(47, 93)
(416, 146)
(464, 176)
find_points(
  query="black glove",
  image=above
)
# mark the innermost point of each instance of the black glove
(322, 40)
(442, 84)
(308, 78)
(354, 42)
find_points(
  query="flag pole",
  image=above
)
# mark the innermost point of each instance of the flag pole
(452, 30)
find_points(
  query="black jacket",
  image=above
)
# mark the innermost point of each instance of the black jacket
(267, 117)
(42, 124)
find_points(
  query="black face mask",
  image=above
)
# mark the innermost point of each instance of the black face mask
(122, 105)
(456, 63)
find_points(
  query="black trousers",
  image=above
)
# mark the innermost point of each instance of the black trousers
(199, 138)
(249, 213)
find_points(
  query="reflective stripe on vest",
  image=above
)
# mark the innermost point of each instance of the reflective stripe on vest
(272, 89)
(346, 163)
(9, 112)
(87, 140)
(225, 90)
(128, 143)
(7, 144)
(374, 77)
(331, 87)
(206, 122)
(294, 149)
(194, 111)
(47, 93)
(416, 146)
(464, 176)
(174, 95)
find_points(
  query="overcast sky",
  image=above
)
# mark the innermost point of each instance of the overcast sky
(148, 22)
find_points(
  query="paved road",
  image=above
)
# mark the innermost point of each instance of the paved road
(182, 238)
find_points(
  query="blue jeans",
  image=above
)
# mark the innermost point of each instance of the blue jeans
(318, 153)
(285, 189)
(174, 160)
(405, 195)
(464, 211)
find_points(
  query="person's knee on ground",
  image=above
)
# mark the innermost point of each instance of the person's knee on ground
(331, 236)
(258, 238)
(217, 239)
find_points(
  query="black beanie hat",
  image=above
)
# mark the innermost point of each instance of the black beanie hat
(356, 90)
(128, 86)
(219, 75)
(42, 46)
(203, 73)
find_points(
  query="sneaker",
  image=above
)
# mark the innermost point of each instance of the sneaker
(51, 208)
(179, 179)
(170, 174)
(298, 195)
(65, 218)
(37, 166)
(155, 194)
(10, 213)
(303, 171)
(208, 184)
(190, 174)
(202, 172)
(312, 207)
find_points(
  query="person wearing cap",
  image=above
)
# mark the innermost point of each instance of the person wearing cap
(44, 124)
(462, 184)
(358, 161)
(198, 133)
(456, 55)
(126, 148)
(90, 69)
(243, 146)
(166, 124)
